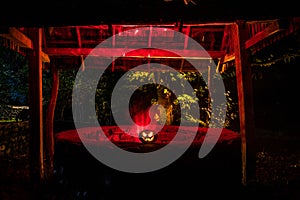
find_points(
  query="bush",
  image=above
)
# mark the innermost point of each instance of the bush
(14, 139)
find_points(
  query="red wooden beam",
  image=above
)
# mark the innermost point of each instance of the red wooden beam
(262, 35)
(118, 52)
(22, 40)
(17, 37)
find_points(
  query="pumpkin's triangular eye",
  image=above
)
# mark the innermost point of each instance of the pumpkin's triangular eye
(150, 134)
(144, 134)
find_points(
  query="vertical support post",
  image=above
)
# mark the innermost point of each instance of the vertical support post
(113, 43)
(187, 36)
(49, 119)
(150, 37)
(245, 101)
(36, 107)
(208, 77)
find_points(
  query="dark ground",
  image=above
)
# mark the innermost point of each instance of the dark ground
(79, 177)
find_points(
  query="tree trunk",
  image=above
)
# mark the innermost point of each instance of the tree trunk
(49, 134)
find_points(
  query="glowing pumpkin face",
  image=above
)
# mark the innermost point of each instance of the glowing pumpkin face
(147, 136)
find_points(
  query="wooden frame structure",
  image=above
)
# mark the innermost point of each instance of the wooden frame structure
(44, 47)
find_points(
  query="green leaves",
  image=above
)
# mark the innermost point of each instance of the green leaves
(13, 78)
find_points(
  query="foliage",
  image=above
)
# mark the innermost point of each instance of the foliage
(13, 78)
(103, 97)
(284, 51)
(10, 113)
(64, 99)
(232, 112)
(14, 90)
(14, 139)
(14, 84)
(187, 102)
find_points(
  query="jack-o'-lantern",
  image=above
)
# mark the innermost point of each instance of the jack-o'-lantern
(147, 136)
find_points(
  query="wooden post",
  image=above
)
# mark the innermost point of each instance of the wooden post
(49, 118)
(208, 77)
(245, 101)
(36, 108)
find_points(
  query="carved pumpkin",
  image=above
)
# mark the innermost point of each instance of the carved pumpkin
(147, 136)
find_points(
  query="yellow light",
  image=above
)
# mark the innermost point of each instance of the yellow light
(147, 136)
